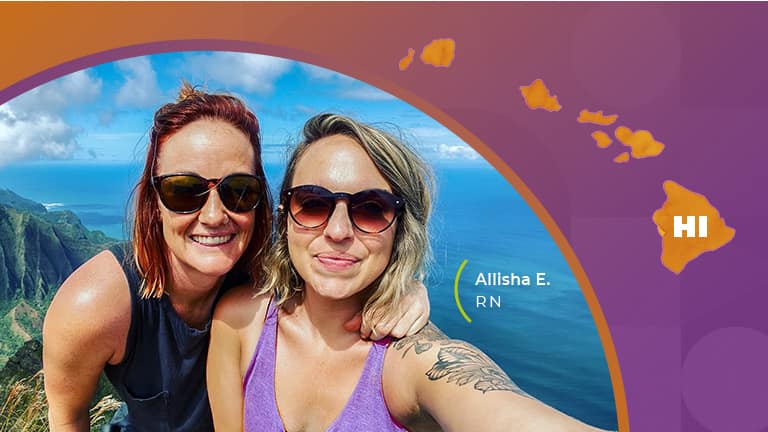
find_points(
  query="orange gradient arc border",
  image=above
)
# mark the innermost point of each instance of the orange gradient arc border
(46, 29)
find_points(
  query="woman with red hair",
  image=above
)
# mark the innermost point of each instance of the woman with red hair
(142, 313)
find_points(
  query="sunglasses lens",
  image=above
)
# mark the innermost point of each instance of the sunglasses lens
(310, 208)
(240, 193)
(183, 193)
(372, 211)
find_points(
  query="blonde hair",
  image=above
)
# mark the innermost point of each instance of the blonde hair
(408, 176)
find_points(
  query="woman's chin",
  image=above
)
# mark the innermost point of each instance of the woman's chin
(336, 290)
(215, 267)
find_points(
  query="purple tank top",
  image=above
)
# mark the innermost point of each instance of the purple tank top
(365, 410)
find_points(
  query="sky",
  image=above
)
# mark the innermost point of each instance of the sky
(102, 114)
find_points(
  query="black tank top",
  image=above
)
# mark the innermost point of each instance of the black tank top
(162, 375)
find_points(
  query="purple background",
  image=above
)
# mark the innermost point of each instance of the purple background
(692, 348)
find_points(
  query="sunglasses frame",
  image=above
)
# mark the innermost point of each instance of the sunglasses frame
(397, 203)
(211, 184)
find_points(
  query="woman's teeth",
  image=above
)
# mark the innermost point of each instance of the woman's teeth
(212, 241)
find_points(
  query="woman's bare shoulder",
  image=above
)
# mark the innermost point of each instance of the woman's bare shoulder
(237, 323)
(240, 305)
(93, 305)
(98, 287)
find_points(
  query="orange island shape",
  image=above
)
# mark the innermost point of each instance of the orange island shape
(601, 139)
(439, 52)
(676, 253)
(537, 96)
(642, 142)
(406, 61)
(598, 118)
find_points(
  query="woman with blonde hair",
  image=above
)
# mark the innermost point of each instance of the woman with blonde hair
(351, 226)
(142, 313)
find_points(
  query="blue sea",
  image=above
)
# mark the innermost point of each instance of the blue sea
(544, 336)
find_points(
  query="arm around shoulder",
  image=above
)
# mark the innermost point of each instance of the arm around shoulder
(435, 375)
(85, 328)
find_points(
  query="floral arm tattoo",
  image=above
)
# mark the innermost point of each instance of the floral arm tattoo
(458, 362)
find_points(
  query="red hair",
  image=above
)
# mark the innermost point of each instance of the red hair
(150, 250)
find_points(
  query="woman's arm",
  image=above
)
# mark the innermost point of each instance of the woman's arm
(428, 376)
(85, 328)
(410, 316)
(236, 326)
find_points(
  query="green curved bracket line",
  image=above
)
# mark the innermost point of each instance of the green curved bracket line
(456, 291)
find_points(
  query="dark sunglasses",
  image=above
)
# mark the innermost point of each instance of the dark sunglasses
(371, 210)
(187, 193)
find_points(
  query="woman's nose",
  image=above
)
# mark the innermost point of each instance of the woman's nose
(213, 212)
(339, 227)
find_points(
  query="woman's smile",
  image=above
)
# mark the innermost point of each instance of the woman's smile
(212, 240)
(336, 262)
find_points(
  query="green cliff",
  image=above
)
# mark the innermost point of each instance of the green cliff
(38, 251)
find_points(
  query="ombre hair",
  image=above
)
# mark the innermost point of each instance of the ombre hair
(408, 176)
(149, 246)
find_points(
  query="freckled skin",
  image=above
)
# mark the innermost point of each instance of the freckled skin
(189, 150)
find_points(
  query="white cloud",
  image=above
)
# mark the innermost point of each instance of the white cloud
(32, 125)
(446, 151)
(322, 74)
(251, 72)
(55, 96)
(44, 136)
(366, 93)
(346, 86)
(140, 89)
(319, 73)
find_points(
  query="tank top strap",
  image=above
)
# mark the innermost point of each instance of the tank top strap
(271, 317)
(374, 365)
(259, 405)
(263, 357)
(123, 253)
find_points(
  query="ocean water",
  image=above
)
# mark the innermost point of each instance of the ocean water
(544, 336)
(97, 193)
